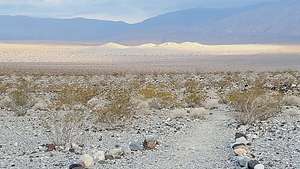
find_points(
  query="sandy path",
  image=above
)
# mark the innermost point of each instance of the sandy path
(203, 146)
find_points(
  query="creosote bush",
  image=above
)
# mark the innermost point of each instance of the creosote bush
(65, 127)
(161, 97)
(20, 97)
(255, 104)
(120, 106)
(194, 95)
(70, 95)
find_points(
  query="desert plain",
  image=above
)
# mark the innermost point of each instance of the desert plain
(153, 106)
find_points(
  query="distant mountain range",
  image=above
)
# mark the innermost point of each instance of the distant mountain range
(277, 22)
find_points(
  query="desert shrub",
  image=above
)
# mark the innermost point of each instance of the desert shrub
(194, 95)
(149, 91)
(255, 104)
(161, 97)
(21, 98)
(3, 88)
(120, 106)
(74, 94)
(64, 127)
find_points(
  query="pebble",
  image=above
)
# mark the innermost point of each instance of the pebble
(87, 160)
(136, 146)
(99, 156)
(115, 153)
(150, 142)
(76, 166)
(252, 164)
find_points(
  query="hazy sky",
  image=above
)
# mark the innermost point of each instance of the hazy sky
(125, 10)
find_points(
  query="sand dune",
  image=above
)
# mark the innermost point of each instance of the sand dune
(213, 49)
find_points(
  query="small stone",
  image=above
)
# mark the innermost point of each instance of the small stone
(243, 161)
(99, 156)
(150, 143)
(259, 166)
(51, 147)
(87, 160)
(241, 150)
(252, 164)
(136, 146)
(242, 140)
(239, 135)
(76, 166)
(115, 153)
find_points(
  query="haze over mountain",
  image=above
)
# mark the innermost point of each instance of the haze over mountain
(277, 22)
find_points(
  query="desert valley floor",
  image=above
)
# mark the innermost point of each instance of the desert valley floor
(168, 106)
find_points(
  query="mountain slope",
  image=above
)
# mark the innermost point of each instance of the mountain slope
(77, 29)
(277, 22)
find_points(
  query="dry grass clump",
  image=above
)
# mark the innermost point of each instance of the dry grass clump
(161, 97)
(64, 127)
(194, 94)
(120, 106)
(255, 104)
(3, 88)
(21, 98)
(74, 94)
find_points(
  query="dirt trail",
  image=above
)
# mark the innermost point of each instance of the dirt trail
(206, 145)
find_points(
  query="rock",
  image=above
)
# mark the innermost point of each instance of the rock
(242, 160)
(99, 156)
(40, 105)
(252, 163)
(240, 150)
(51, 147)
(75, 148)
(150, 142)
(259, 166)
(115, 153)
(87, 160)
(242, 140)
(76, 166)
(136, 146)
(239, 135)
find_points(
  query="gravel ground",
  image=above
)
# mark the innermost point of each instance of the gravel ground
(188, 137)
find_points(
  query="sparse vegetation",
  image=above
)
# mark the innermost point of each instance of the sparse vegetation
(70, 95)
(255, 104)
(21, 98)
(194, 95)
(119, 108)
(64, 127)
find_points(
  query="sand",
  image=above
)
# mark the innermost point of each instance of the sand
(169, 56)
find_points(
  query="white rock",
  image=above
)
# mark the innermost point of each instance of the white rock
(99, 156)
(241, 140)
(259, 166)
(87, 160)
